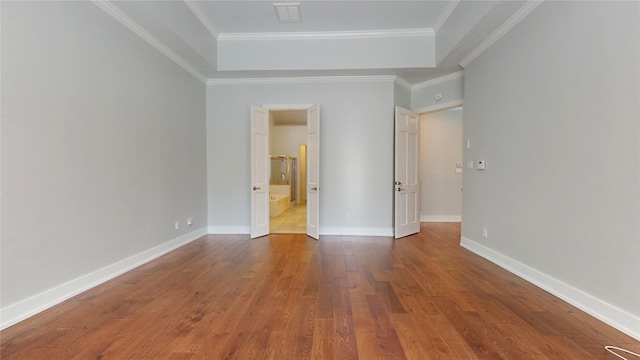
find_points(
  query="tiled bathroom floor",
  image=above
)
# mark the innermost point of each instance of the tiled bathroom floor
(293, 220)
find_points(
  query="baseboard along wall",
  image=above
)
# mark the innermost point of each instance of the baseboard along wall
(26, 308)
(603, 311)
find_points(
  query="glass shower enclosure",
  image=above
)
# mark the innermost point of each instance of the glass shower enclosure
(284, 171)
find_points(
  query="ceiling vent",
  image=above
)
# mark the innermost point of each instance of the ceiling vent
(288, 12)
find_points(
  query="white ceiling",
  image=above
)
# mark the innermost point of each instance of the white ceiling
(322, 16)
(416, 40)
(289, 117)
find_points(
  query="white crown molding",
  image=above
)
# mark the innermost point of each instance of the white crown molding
(206, 22)
(302, 80)
(514, 20)
(26, 308)
(287, 106)
(444, 16)
(122, 18)
(404, 83)
(610, 314)
(329, 35)
(439, 80)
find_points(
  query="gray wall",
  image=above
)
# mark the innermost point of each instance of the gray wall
(103, 145)
(401, 96)
(423, 95)
(440, 150)
(553, 109)
(356, 152)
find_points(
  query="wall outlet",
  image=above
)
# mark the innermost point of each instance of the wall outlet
(190, 221)
(485, 232)
(177, 225)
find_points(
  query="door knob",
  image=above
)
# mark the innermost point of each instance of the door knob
(256, 188)
(314, 188)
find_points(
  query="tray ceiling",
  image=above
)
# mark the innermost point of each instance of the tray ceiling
(414, 40)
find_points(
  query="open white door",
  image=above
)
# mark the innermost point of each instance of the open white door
(259, 171)
(313, 171)
(406, 199)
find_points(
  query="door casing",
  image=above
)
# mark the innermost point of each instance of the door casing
(312, 230)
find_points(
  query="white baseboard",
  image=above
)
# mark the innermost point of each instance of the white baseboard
(440, 218)
(356, 231)
(26, 308)
(617, 318)
(229, 230)
(323, 231)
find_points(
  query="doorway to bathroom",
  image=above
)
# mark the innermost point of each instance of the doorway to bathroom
(285, 170)
(287, 209)
(287, 160)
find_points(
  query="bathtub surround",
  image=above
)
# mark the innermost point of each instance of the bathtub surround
(279, 200)
(284, 171)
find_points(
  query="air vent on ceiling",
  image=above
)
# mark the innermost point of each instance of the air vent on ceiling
(288, 12)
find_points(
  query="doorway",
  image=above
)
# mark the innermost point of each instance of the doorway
(285, 170)
(419, 179)
(287, 135)
(441, 165)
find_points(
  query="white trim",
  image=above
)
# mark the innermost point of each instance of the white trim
(618, 318)
(327, 35)
(514, 20)
(287, 106)
(404, 83)
(356, 231)
(26, 308)
(438, 107)
(206, 22)
(122, 18)
(440, 218)
(439, 80)
(214, 230)
(301, 80)
(444, 16)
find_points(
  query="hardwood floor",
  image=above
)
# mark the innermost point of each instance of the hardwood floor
(286, 296)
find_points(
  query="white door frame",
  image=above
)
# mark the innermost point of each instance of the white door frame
(439, 107)
(436, 108)
(285, 107)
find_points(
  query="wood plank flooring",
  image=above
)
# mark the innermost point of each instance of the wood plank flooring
(286, 296)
